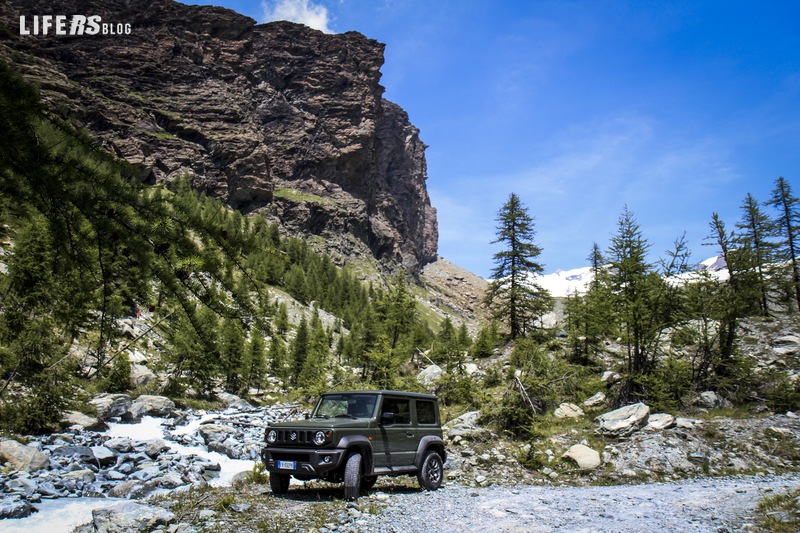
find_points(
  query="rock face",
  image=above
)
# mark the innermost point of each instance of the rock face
(276, 118)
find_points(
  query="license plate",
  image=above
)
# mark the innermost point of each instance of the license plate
(287, 465)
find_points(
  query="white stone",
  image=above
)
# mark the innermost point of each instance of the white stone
(660, 421)
(595, 400)
(429, 375)
(623, 421)
(568, 410)
(585, 457)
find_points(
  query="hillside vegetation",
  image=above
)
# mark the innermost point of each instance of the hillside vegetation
(229, 302)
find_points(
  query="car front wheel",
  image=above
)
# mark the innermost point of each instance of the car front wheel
(352, 476)
(431, 472)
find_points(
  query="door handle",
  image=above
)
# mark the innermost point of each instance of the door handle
(409, 434)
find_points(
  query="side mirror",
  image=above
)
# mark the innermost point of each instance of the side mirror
(306, 415)
(387, 418)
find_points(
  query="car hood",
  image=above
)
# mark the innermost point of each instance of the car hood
(324, 423)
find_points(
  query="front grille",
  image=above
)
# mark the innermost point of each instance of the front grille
(283, 456)
(295, 437)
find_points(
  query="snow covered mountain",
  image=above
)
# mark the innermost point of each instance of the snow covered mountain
(562, 283)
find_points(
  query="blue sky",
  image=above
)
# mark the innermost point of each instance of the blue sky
(675, 109)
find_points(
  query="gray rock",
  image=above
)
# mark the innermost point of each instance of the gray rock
(75, 418)
(155, 447)
(233, 401)
(154, 405)
(141, 375)
(132, 490)
(568, 410)
(120, 444)
(129, 517)
(623, 421)
(14, 507)
(105, 456)
(82, 454)
(786, 345)
(429, 375)
(22, 485)
(712, 400)
(660, 421)
(111, 405)
(585, 457)
(595, 400)
(22, 457)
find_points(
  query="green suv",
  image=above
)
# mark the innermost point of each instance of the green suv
(353, 437)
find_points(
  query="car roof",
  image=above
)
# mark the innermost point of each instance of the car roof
(386, 392)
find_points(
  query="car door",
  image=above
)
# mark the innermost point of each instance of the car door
(400, 436)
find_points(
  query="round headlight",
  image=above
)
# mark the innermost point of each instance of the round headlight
(272, 436)
(319, 438)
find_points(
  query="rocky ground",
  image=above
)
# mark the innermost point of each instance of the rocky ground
(705, 474)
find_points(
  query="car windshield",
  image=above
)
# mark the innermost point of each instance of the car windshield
(354, 405)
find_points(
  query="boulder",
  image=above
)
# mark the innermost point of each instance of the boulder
(712, 400)
(14, 507)
(660, 421)
(111, 405)
(130, 517)
(568, 410)
(120, 444)
(471, 369)
(429, 375)
(154, 448)
(786, 345)
(214, 435)
(153, 405)
(22, 457)
(610, 377)
(465, 426)
(105, 456)
(623, 421)
(585, 457)
(141, 375)
(233, 401)
(595, 400)
(82, 454)
(132, 490)
(75, 418)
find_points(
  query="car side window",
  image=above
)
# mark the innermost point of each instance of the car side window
(400, 408)
(426, 412)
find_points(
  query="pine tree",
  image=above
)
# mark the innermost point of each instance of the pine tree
(788, 222)
(755, 239)
(517, 298)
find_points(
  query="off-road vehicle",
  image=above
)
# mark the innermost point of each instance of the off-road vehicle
(353, 437)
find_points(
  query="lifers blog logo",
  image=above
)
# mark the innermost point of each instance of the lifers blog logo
(70, 25)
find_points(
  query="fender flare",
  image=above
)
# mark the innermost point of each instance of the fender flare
(427, 443)
(363, 444)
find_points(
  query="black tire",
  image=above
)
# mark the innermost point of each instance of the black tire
(431, 471)
(352, 476)
(279, 483)
(367, 482)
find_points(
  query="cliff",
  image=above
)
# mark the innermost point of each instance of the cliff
(276, 119)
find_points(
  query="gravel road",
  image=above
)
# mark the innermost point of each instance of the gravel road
(708, 504)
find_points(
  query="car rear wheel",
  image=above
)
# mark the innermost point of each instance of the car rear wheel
(279, 483)
(431, 472)
(352, 476)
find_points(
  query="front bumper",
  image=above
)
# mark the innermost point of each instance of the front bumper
(306, 462)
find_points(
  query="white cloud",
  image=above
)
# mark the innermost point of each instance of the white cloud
(302, 11)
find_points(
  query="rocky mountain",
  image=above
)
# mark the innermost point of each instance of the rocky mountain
(275, 119)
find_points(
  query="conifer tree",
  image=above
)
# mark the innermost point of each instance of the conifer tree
(788, 222)
(516, 297)
(755, 240)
